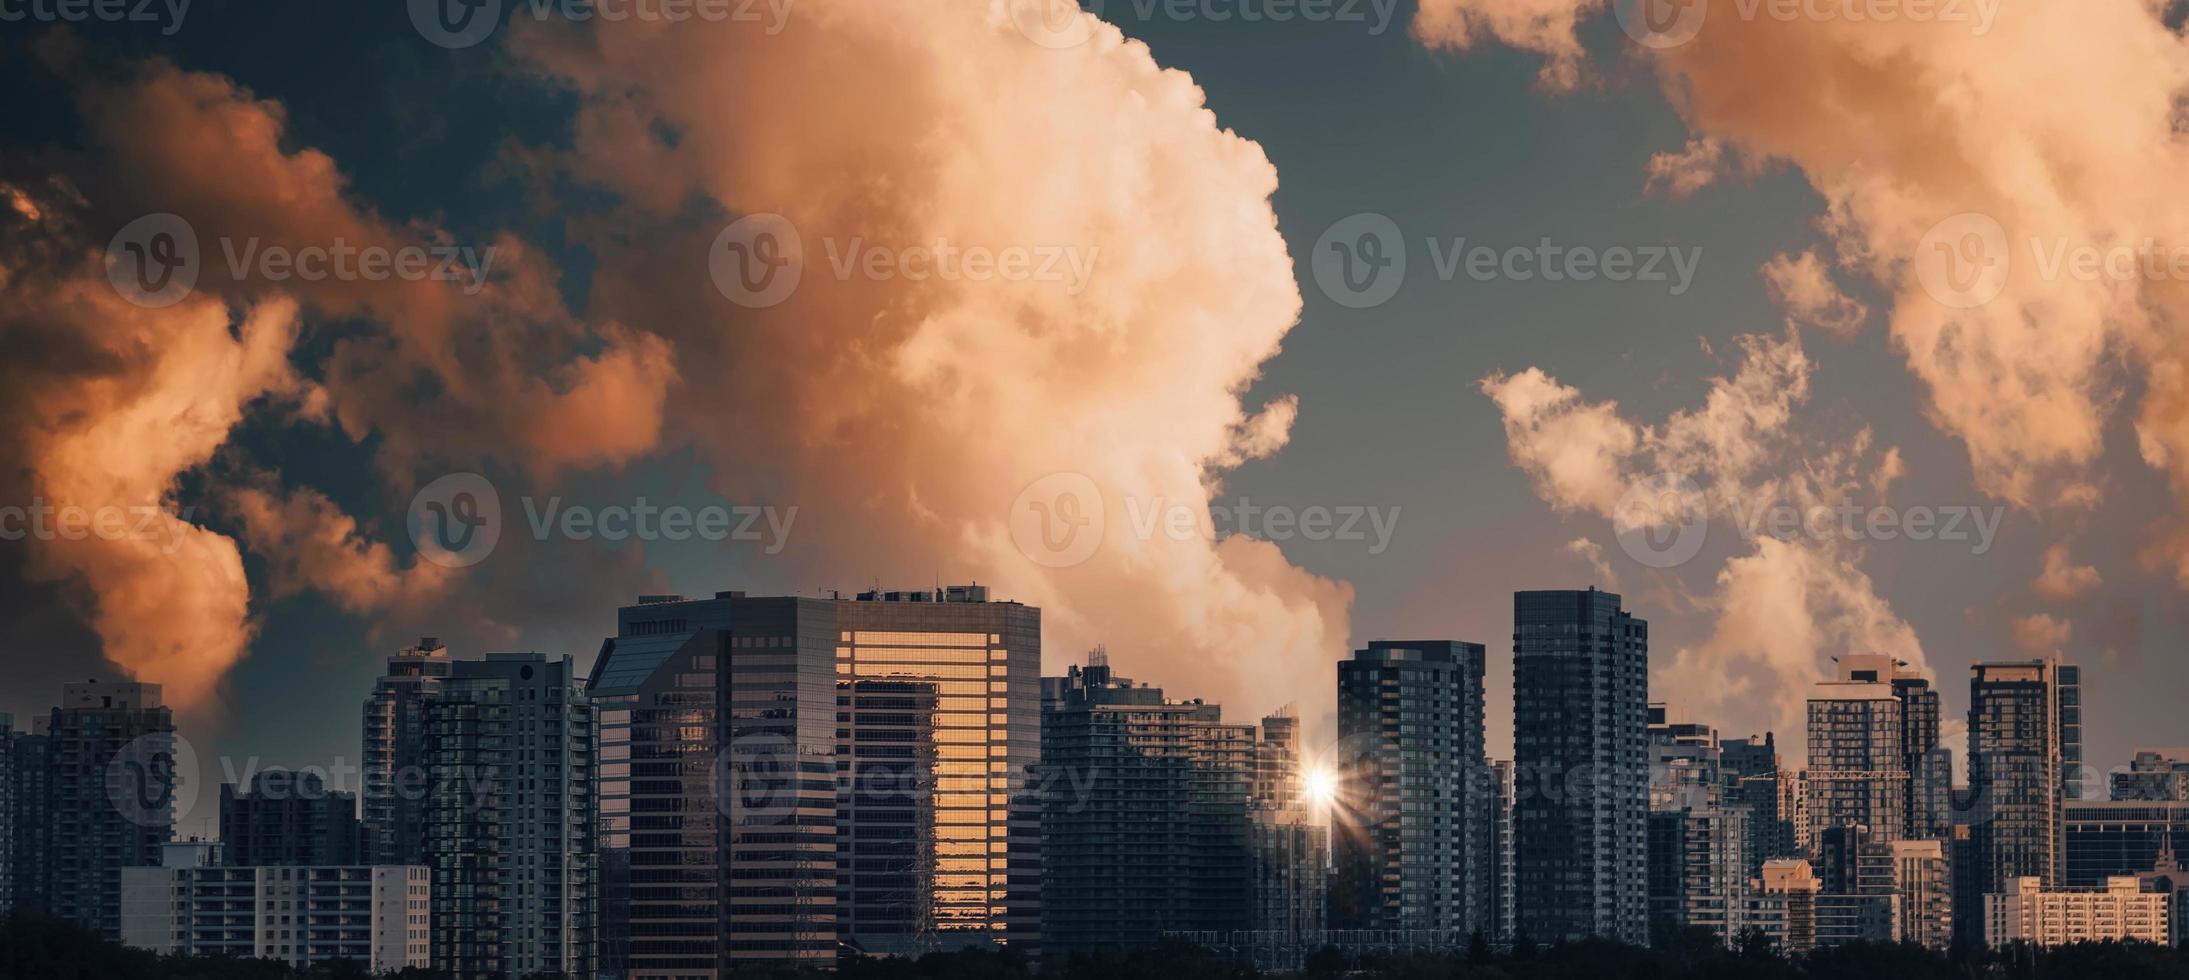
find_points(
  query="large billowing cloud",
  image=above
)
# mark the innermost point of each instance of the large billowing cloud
(114, 404)
(906, 413)
(1789, 597)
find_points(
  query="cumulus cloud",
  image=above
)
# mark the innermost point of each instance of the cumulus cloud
(2062, 579)
(1782, 605)
(903, 414)
(1593, 553)
(1804, 286)
(2048, 124)
(117, 404)
(906, 415)
(2041, 634)
(1691, 168)
(106, 405)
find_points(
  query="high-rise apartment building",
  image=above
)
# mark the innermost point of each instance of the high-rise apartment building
(393, 829)
(1755, 781)
(286, 817)
(1580, 699)
(1686, 765)
(2015, 766)
(111, 785)
(984, 659)
(508, 751)
(195, 905)
(1290, 847)
(8, 808)
(2154, 775)
(1145, 825)
(1924, 881)
(1857, 771)
(30, 839)
(1410, 849)
(2028, 912)
(1698, 868)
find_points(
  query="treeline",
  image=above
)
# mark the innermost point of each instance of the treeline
(39, 949)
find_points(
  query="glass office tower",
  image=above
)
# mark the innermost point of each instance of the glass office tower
(1580, 718)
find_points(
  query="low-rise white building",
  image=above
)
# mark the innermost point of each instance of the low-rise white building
(2030, 913)
(298, 915)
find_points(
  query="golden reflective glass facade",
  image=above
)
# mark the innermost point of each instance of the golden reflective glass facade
(972, 829)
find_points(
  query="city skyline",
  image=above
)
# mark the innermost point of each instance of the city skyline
(300, 486)
(685, 811)
(647, 488)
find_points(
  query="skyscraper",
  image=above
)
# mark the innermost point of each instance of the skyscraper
(509, 745)
(984, 659)
(718, 754)
(2015, 772)
(2068, 679)
(1755, 780)
(288, 818)
(1580, 700)
(1291, 850)
(112, 787)
(1144, 826)
(8, 808)
(31, 838)
(1857, 769)
(1410, 846)
(1929, 764)
(394, 827)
